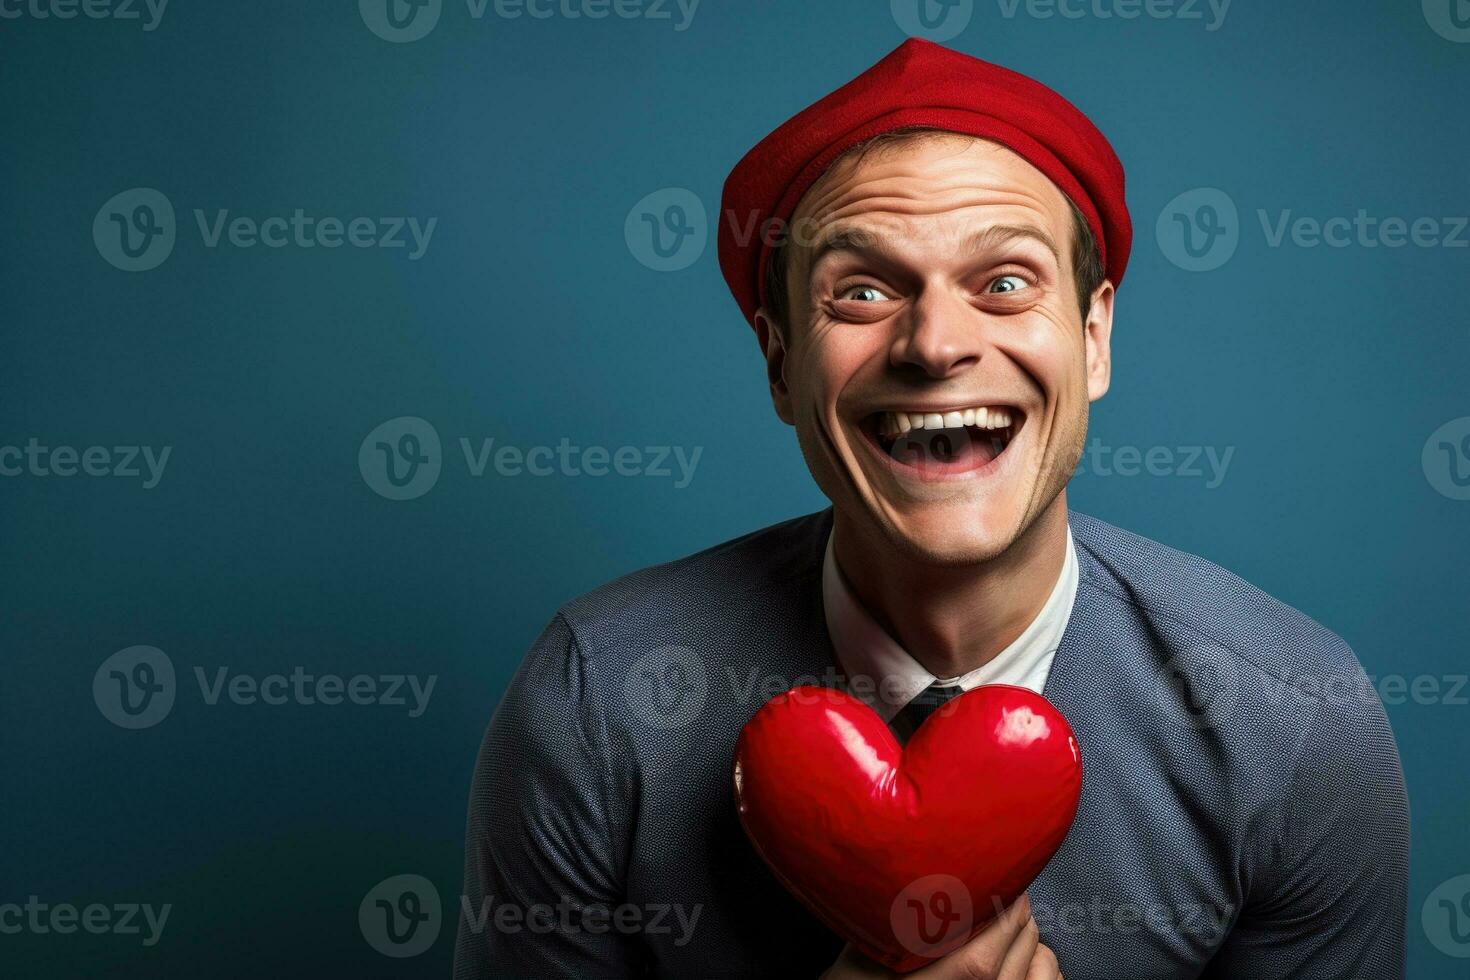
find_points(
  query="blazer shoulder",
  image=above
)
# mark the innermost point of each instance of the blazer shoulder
(749, 568)
(1184, 594)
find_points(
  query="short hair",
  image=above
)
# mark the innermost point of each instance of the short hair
(1087, 263)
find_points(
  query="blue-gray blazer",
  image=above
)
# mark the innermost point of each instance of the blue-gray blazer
(1242, 816)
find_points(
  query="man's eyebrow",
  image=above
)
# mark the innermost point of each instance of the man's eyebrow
(867, 241)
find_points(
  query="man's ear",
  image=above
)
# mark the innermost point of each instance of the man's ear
(773, 343)
(1098, 331)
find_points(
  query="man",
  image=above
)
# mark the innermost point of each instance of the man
(936, 318)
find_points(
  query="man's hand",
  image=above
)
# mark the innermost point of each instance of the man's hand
(1008, 949)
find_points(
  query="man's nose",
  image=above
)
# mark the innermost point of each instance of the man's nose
(941, 334)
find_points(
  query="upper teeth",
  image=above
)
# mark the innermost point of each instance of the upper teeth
(984, 417)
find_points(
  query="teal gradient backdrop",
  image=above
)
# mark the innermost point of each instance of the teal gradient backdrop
(1305, 405)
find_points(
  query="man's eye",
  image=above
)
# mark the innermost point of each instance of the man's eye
(1007, 284)
(867, 294)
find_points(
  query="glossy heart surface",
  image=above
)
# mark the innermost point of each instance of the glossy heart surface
(907, 851)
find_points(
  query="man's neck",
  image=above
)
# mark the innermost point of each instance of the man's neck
(954, 619)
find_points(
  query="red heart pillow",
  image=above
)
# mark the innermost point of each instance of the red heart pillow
(907, 852)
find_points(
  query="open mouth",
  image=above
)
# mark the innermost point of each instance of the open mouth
(948, 443)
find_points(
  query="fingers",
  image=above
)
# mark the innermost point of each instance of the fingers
(1044, 965)
(1017, 964)
(1009, 948)
(983, 957)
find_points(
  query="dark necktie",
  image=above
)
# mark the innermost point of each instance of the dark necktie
(924, 704)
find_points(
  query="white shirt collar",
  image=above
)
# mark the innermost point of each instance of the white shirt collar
(889, 676)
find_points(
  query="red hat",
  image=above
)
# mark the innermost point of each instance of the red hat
(919, 83)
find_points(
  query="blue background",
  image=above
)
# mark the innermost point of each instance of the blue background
(530, 319)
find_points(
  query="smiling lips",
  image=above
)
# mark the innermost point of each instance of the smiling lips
(944, 443)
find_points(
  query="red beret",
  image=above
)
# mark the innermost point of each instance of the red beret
(919, 83)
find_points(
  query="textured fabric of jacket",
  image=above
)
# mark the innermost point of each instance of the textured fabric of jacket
(1242, 816)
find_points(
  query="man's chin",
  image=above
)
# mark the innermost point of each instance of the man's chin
(959, 533)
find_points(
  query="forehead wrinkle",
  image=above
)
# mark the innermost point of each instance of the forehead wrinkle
(890, 215)
(920, 191)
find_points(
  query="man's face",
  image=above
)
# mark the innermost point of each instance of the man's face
(937, 367)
